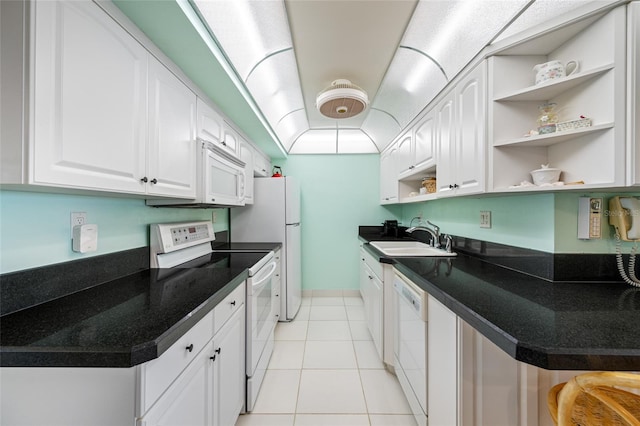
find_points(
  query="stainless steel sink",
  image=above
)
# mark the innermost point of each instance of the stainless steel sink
(408, 248)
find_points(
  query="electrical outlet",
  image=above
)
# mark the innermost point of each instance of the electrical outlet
(485, 219)
(77, 218)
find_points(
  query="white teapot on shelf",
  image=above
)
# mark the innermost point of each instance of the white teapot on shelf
(554, 69)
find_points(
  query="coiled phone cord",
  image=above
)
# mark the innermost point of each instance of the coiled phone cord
(630, 279)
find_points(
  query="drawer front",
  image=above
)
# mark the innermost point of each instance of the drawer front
(373, 264)
(156, 375)
(223, 311)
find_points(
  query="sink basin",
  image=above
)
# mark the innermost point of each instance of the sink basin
(408, 248)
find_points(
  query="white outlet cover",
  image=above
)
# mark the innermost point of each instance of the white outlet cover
(77, 218)
(485, 219)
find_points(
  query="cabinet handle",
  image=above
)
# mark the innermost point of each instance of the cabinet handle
(370, 277)
(218, 351)
(144, 180)
(154, 180)
(213, 199)
(189, 348)
(224, 143)
(212, 358)
(233, 303)
(455, 185)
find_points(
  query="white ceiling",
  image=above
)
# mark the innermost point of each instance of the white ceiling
(401, 52)
(355, 40)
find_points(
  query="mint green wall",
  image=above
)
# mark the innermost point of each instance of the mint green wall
(517, 220)
(546, 222)
(35, 227)
(338, 193)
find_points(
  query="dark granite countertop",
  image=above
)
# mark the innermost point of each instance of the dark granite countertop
(122, 322)
(553, 325)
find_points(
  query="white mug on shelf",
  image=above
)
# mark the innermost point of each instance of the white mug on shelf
(554, 69)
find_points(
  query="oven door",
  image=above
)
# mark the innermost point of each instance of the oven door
(223, 177)
(260, 319)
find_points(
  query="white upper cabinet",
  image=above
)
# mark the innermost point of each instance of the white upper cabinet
(425, 143)
(460, 134)
(89, 100)
(417, 149)
(589, 156)
(261, 165)
(470, 132)
(230, 138)
(209, 123)
(245, 152)
(89, 108)
(405, 154)
(389, 176)
(172, 134)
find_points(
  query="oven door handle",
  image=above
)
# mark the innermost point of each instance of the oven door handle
(262, 281)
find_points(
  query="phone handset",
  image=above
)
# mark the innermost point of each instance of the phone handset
(624, 216)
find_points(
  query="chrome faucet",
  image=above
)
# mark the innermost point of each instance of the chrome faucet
(435, 233)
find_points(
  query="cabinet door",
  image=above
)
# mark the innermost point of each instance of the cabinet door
(230, 138)
(424, 142)
(90, 91)
(209, 122)
(445, 137)
(376, 313)
(442, 368)
(245, 152)
(494, 387)
(261, 165)
(470, 138)
(188, 401)
(388, 177)
(404, 154)
(172, 130)
(229, 370)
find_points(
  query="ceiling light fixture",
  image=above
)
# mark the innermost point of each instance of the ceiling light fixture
(342, 99)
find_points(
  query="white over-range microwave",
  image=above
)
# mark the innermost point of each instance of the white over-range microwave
(220, 179)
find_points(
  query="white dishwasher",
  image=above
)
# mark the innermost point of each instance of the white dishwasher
(410, 350)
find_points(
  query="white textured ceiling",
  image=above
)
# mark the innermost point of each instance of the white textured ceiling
(401, 52)
(355, 40)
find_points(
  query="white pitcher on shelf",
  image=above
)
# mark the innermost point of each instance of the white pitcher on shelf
(554, 69)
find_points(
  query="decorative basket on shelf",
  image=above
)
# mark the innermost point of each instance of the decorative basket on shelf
(573, 124)
(429, 184)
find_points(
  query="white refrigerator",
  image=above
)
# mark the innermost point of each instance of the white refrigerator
(274, 216)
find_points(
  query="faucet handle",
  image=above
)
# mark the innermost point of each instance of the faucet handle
(448, 242)
(435, 227)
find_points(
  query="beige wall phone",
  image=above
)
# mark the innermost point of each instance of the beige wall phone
(624, 216)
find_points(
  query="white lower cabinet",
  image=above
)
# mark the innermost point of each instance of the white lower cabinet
(469, 380)
(228, 378)
(197, 381)
(371, 289)
(494, 388)
(188, 401)
(442, 365)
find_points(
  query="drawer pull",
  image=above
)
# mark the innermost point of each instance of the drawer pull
(218, 350)
(233, 303)
(189, 348)
(212, 358)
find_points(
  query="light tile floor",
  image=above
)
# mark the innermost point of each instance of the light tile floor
(325, 371)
